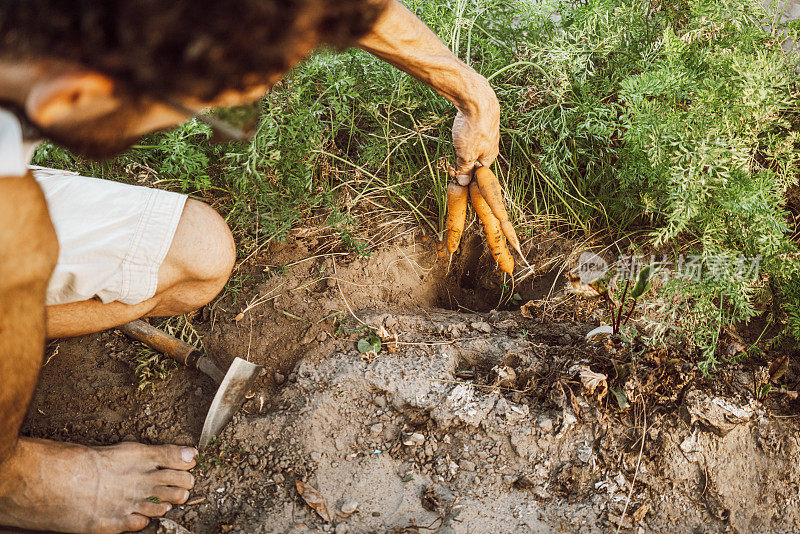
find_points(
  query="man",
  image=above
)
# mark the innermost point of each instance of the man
(95, 78)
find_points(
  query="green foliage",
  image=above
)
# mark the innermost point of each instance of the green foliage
(676, 118)
(150, 366)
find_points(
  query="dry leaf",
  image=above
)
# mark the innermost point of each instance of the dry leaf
(640, 512)
(390, 341)
(594, 382)
(525, 309)
(506, 376)
(596, 289)
(313, 498)
(778, 368)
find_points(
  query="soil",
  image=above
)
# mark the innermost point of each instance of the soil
(472, 417)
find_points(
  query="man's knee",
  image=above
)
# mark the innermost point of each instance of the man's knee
(28, 243)
(202, 250)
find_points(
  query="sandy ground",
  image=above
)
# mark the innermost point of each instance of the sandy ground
(469, 420)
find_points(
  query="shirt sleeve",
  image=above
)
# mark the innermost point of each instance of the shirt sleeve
(12, 153)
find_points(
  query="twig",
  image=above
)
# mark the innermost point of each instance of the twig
(618, 320)
(636, 473)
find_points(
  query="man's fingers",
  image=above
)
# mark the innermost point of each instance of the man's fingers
(464, 171)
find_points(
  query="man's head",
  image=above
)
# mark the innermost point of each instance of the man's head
(94, 76)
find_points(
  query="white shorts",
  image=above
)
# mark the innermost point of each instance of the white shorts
(112, 237)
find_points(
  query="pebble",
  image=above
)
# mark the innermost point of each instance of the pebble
(415, 439)
(349, 506)
(331, 282)
(376, 429)
(545, 423)
(278, 478)
(467, 465)
(252, 460)
(316, 456)
(482, 326)
(198, 392)
(341, 528)
(322, 336)
(279, 378)
(380, 401)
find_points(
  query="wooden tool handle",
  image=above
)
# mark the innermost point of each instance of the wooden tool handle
(154, 338)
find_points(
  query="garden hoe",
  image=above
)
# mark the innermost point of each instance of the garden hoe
(233, 385)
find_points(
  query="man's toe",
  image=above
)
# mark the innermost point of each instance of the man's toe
(172, 477)
(135, 522)
(175, 456)
(171, 494)
(153, 509)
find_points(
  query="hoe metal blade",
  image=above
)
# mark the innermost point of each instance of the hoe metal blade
(229, 397)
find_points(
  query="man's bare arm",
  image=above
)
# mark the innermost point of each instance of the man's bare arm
(28, 253)
(401, 39)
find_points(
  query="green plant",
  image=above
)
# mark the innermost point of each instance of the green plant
(150, 366)
(674, 120)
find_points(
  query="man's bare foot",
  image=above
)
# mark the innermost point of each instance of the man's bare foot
(63, 487)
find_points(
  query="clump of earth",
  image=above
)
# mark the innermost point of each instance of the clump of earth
(467, 418)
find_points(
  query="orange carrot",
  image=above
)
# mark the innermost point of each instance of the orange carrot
(456, 214)
(491, 226)
(491, 191)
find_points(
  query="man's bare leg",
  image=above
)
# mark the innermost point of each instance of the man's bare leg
(45, 484)
(194, 271)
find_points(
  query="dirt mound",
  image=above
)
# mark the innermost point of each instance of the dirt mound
(463, 422)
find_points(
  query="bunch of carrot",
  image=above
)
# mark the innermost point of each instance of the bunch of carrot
(487, 200)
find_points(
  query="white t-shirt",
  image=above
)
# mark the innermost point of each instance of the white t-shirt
(14, 155)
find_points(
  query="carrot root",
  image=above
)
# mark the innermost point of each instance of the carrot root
(491, 191)
(493, 230)
(456, 215)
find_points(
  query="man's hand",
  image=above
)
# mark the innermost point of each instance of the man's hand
(476, 135)
(401, 39)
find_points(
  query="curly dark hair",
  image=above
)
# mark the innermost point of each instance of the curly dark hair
(180, 47)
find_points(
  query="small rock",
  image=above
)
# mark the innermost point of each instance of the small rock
(380, 402)
(278, 478)
(390, 322)
(168, 526)
(315, 456)
(482, 326)
(279, 378)
(376, 429)
(585, 453)
(252, 460)
(467, 465)
(198, 392)
(545, 423)
(413, 440)
(349, 506)
(341, 528)
(307, 338)
(322, 336)
(331, 282)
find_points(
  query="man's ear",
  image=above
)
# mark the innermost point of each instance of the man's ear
(71, 98)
